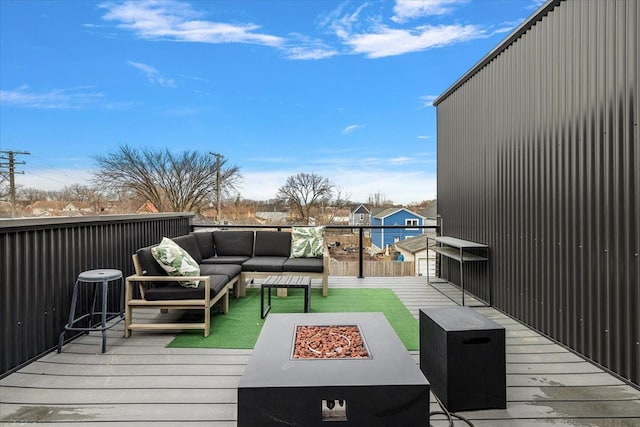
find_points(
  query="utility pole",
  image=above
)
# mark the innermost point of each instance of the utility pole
(218, 156)
(11, 167)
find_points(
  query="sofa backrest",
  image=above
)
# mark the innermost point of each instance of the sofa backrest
(189, 244)
(233, 243)
(205, 243)
(148, 263)
(272, 243)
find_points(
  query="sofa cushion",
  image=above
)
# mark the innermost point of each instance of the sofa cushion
(234, 243)
(307, 265)
(189, 244)
(205, 243)
(307, 242)
(272, 243)
(225, 260)
(229, 270)
(173, 291)
(148, 263)
(176, 261)
(264, 263)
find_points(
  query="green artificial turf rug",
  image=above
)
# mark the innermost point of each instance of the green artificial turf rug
(240, 327)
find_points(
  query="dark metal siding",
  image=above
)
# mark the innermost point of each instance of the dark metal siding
(39, 263)
(538, 157)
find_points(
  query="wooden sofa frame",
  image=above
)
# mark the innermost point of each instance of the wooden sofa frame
(204, 304)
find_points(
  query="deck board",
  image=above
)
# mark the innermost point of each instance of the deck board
(141, 382)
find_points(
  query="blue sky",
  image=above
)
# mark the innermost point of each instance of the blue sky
(341, 89)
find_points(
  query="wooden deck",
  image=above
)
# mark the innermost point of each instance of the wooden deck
(140, 382)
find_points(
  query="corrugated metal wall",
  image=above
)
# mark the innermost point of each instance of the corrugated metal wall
(538, 157)
(39, 263)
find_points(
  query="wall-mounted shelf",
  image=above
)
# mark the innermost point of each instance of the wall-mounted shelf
(456, 249)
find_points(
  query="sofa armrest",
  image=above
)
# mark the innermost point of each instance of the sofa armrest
(325, 259)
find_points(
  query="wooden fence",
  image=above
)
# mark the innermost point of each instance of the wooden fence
(372, 268)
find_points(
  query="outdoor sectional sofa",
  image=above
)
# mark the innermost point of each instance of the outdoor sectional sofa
(227, 259)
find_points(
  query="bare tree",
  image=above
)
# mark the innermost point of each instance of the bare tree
(340, 201)
(304, 191)
(80, 193)
(31, 195)
(4, 188)
(182, 182)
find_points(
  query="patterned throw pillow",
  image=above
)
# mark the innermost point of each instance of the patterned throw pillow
(176, 261)
(307, 242)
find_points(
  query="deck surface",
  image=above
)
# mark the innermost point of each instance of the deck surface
(140, 382)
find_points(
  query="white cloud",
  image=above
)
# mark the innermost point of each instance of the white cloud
(54, 179)
(72, 98)
(303, 47)
(304, 52)
(423, 137)
(356, 180)
(171, 20)
(350, 128)
(535, 4)
(342, 25)
(400, 186)
(262, 185)
(371, 36)
(385, 41)
(427, 100)
(409, 9)
(152, 75)
(507, 26)
(400, 160)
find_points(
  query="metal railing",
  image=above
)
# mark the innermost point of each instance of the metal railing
(40, 259)
(360, 231)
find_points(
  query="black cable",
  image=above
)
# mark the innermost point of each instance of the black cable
(450, 415)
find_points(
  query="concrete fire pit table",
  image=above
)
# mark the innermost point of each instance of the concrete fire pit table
(380, 386)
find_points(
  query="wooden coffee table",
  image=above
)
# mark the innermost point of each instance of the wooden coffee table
(285, 282)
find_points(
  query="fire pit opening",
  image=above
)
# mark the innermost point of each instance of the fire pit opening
(329, 342)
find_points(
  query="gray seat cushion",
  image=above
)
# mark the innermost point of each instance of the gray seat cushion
(225, 260)
(229, 270)
(189, 244)
(264, 264)
(174, 291)
(309, 265)
(205, 243)
(272, 243)
(233, 243)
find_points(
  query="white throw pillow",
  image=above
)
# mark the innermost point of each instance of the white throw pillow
(176, 261)
(307, 242)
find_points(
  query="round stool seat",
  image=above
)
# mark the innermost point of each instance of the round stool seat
(106, 277)
(99, 275)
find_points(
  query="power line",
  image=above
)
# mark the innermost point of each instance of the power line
(9, 156)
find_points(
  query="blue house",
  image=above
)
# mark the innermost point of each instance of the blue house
(395, 216)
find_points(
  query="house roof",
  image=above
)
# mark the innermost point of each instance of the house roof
(390, 211)
(48, 204)
(273, 216)
(147, 207)
(361, 209)
(414, 244)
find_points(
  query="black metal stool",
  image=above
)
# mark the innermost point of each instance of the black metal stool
(93, 277)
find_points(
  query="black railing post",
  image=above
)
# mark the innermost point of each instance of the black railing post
(360, 252)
